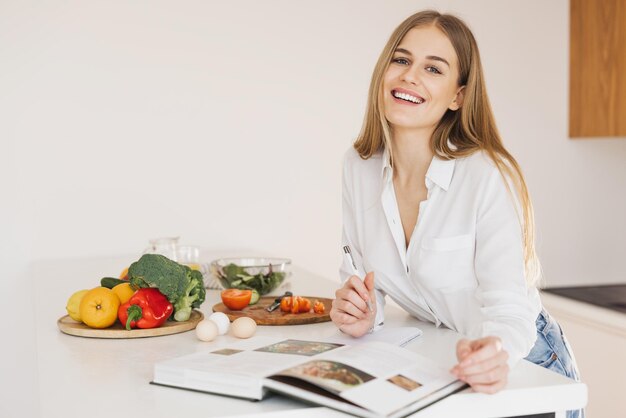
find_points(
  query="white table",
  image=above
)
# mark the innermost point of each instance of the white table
(108, 378)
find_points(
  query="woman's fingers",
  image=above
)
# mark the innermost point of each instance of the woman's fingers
(349, 309)
(490, 389)
(351, 297)
(499, 359)
(342, 318)
(487, 377)
(482, 364)
(463, 349)
(354, 290)
(357, 284)
(482, 349)
(348, 306)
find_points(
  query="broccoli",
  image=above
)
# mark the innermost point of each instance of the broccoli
(182, 286)
(192, 297)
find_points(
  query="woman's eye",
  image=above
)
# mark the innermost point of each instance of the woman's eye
(432, 69)
(400, 61)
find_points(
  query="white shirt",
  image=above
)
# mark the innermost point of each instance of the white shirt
(464, 266)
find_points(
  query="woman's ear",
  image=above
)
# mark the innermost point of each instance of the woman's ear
(458, 99)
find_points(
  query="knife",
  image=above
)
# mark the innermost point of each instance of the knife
(276, 303)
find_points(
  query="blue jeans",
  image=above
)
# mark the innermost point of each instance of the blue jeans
(552, 351)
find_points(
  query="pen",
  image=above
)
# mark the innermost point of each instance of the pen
(348, 255)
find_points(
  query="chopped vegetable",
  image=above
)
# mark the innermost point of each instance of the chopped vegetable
(236, 299)
(318, 307)
(295, 304)
(255, 297)
(285, 304)
(305, 305)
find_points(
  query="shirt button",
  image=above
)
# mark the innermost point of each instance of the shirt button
(407, 269)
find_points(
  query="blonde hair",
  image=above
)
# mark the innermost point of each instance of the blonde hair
(471, 128)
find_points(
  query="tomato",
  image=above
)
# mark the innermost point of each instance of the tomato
(295, 304)
(285, 304)
(318, 307)
(305, 305)
(236, 299)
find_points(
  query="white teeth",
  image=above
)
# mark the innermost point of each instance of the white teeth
(407, 97)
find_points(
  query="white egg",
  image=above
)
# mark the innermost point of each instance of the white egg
(206, 330)
(244, 327)
(221, 320)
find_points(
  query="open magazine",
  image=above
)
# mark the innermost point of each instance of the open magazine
(372, 379)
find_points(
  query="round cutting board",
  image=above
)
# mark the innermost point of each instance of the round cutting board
(68, 326)
(277, 317)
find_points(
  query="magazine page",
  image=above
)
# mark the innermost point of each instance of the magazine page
(233, 368)
(376, 376)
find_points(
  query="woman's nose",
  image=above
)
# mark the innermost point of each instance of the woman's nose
(411, 75)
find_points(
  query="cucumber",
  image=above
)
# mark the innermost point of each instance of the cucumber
(255, 297)
(111, 282)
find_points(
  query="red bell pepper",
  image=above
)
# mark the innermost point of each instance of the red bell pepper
(147, 308)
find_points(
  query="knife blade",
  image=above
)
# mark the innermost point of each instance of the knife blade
(277, 301)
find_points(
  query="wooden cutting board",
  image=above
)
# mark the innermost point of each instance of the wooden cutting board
(277, 317)
(68, 326)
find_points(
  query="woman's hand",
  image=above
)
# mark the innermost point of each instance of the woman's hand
(482, 364)
(349, 311)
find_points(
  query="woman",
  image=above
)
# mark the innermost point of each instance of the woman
(438, 212)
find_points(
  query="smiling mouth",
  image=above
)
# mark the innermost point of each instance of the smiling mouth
(407, 97)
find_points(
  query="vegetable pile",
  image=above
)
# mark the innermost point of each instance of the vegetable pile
(182, 286)
(152, 290)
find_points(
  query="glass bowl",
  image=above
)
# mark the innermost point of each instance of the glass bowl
(262, 274)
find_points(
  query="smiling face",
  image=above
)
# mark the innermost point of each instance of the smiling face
(420, 84)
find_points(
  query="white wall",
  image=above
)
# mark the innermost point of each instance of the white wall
(225, 123)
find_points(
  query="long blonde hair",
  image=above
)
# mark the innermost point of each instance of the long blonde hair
(469, 129)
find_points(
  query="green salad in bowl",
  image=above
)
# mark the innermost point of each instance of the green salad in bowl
(261, 274)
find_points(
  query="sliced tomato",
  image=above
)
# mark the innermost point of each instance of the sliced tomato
(236, 299)
(285, 304)
(295, 304)
(305, 305)
(318, 307)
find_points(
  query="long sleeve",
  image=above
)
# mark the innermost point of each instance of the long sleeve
(350, 236)
(509, 305)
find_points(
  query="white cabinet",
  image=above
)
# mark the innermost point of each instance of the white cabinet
(598, 338)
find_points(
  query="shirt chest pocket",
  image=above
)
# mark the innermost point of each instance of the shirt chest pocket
(447, 263)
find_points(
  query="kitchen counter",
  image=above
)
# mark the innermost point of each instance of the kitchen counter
(591, 314)
(80, 377)
(598, 338)
(608, 296)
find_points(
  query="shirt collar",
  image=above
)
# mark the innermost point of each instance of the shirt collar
(439, 172)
